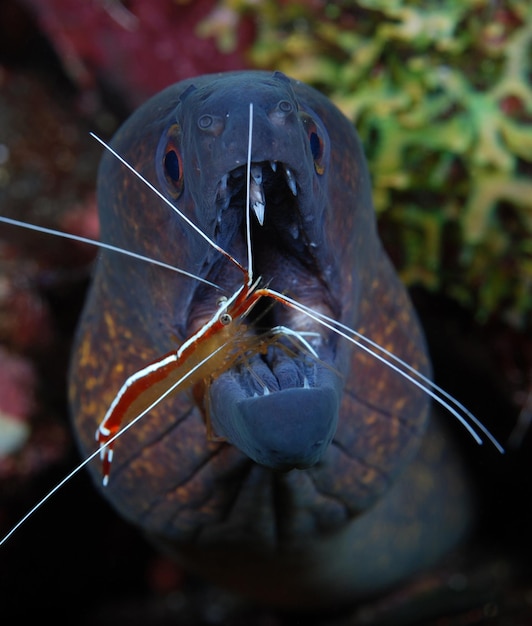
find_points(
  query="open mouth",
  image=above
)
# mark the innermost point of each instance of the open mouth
(265, 178)
(276, 216)
(278, 404)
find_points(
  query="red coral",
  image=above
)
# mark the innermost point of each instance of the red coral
(138, 50)
(25, 323)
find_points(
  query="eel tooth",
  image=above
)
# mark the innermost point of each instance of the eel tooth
(256, 193)
(290, 180)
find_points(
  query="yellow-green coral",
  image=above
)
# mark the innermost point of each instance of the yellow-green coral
(440, 92)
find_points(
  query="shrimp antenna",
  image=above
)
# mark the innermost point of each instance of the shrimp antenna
(422, 381)
(102, 244)
(154, 189)
(248, 197)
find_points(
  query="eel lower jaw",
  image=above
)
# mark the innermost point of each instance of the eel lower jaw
(284, 429)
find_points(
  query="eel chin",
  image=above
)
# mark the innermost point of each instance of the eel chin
(280, 406)
(283, 429)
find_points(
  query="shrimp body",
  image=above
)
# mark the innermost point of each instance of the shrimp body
(327, 479)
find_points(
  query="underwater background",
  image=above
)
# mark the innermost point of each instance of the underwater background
(441, 95)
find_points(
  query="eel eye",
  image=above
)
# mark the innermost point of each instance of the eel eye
(315, 142)
(172, 163)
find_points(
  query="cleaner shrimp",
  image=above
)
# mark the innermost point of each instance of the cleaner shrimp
(222, 341)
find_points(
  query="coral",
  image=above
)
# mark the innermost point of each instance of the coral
(137, 48)
(441, 95)
(47, 172)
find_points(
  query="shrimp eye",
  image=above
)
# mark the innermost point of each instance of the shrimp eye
(315, 142)
(172, 163)
(225, 319)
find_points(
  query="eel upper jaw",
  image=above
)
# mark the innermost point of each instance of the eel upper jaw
(283, 216)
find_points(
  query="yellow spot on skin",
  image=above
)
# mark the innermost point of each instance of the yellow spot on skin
(110, 325)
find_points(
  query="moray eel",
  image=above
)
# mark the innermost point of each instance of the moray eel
(339, 482)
